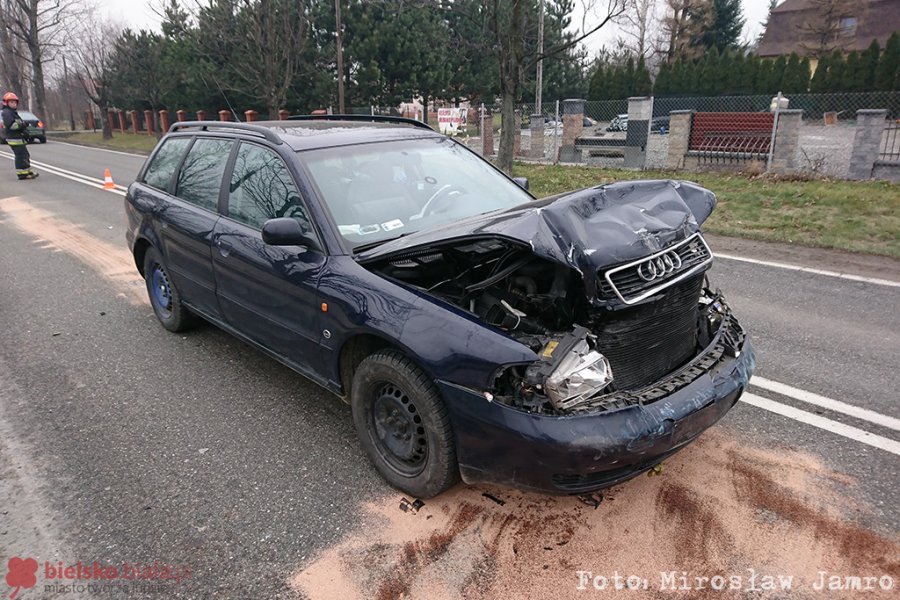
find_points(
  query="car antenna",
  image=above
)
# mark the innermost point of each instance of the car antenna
(221, 91)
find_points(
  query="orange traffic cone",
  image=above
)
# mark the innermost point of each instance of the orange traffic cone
(107, 181)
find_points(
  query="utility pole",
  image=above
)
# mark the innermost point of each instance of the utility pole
(68, 94)
(540, 63)
(340, 57)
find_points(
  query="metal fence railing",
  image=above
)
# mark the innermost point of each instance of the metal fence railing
(890, 143)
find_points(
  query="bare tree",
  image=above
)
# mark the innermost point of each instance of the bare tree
(41, 26)
(683, 24)
(12, 67)
(639, 23)
(830, 26)
(92, 45)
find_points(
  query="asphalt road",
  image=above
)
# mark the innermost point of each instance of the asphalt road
(122, 442)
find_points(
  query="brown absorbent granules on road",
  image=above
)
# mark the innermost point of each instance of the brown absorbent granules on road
(719, 509)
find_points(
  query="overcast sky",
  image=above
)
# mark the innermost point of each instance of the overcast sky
(138, 14)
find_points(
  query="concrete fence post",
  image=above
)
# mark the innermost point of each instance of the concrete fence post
(537, 137)
(121, 115)
(573, 123)
(679, 137)
(201, 115)
(870, 124)
(164, 121)
(283, 114)
(517, 138)
(181, 115)
(787, 142)
(487, 133)
(148, 121)
(135, 125)
(250, 115)
(640, 113)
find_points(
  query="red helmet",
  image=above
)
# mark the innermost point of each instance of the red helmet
(9, 96)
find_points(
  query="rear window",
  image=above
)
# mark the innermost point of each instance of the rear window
(165, 161)
(200, 178)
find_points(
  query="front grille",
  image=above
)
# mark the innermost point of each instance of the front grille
(648, 341)
(675, 263)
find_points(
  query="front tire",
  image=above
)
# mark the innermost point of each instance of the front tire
(164, 297)
(403, 425)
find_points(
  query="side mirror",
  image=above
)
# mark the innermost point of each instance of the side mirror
(285, 231)
(522, 182)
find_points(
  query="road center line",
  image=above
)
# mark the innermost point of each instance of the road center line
(97, 183)
(779, 265)
(826, 403)
(847, 431)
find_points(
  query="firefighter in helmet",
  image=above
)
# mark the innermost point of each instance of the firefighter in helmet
(17, 135)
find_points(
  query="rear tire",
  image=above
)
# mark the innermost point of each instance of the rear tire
(164, 297)
(403, 425)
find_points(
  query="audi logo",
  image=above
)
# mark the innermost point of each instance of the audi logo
(659, 267)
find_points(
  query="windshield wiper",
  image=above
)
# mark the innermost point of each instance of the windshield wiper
(370, 245)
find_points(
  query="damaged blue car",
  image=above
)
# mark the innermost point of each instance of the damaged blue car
(562, 345)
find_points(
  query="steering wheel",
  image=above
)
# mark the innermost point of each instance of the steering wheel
(438, 198)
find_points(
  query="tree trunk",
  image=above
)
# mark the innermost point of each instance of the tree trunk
(104, 120)
(37, 65)
(15, 81)
(507, 130)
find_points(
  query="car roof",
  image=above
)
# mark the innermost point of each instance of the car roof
(311, 134)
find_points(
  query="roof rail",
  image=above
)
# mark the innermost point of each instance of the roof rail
(369, 118)
(246, 127)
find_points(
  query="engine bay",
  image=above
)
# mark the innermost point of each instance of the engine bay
(581, 345)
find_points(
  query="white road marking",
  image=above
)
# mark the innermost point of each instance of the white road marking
(74, 174)
(847, 431)
(141, 156)
(827, 403)
(97, 183)
(850, 276)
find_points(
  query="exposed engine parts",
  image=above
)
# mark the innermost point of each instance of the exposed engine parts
(597, 356)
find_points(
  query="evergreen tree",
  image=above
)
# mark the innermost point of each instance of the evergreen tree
(726, 23)
(642, 84)
(819, 82)
(869, 65)
(887, 75)
(854, 77)
(791, 80)
(662, 86)
(777, 76)
(805, 75)
(836, 72)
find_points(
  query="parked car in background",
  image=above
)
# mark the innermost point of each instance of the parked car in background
(618, 123)
(564, 344)
(33, 125)
(660, 125)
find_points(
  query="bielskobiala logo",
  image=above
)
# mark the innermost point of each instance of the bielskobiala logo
(21, 573)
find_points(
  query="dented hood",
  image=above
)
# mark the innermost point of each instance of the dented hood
(587, 230)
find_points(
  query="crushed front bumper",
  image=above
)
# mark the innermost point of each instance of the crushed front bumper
(586, 451)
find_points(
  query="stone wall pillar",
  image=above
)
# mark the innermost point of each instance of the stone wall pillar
(573, 123)
(283, 114)
(679, 137)
(224, 115)
(537, 137)
(89, 119)
(250, 115)
(870, 125)
(487, 134)
(787, 142)
(135, 126)
(181, 115)
(121, 114)
(163, 121)
(640, 113)
(148, 121)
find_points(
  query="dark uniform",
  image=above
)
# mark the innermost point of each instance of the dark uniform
(17, 138)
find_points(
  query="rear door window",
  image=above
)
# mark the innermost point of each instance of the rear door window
(165, 162)
(262, 188)
(200, 178)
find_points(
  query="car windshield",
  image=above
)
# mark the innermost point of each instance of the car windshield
(24, 114)
(384, 190)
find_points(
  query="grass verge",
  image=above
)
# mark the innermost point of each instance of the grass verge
(859, 216)
(126, 142)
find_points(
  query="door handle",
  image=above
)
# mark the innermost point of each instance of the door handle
(224, 249)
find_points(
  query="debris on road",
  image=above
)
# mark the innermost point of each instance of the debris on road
(490, 496)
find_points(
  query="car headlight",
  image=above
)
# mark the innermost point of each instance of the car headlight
(580, 375)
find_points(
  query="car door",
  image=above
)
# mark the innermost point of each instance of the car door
(187, 222)
(268, 293)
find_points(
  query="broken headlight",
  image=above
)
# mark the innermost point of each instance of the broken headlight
(579, 375)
